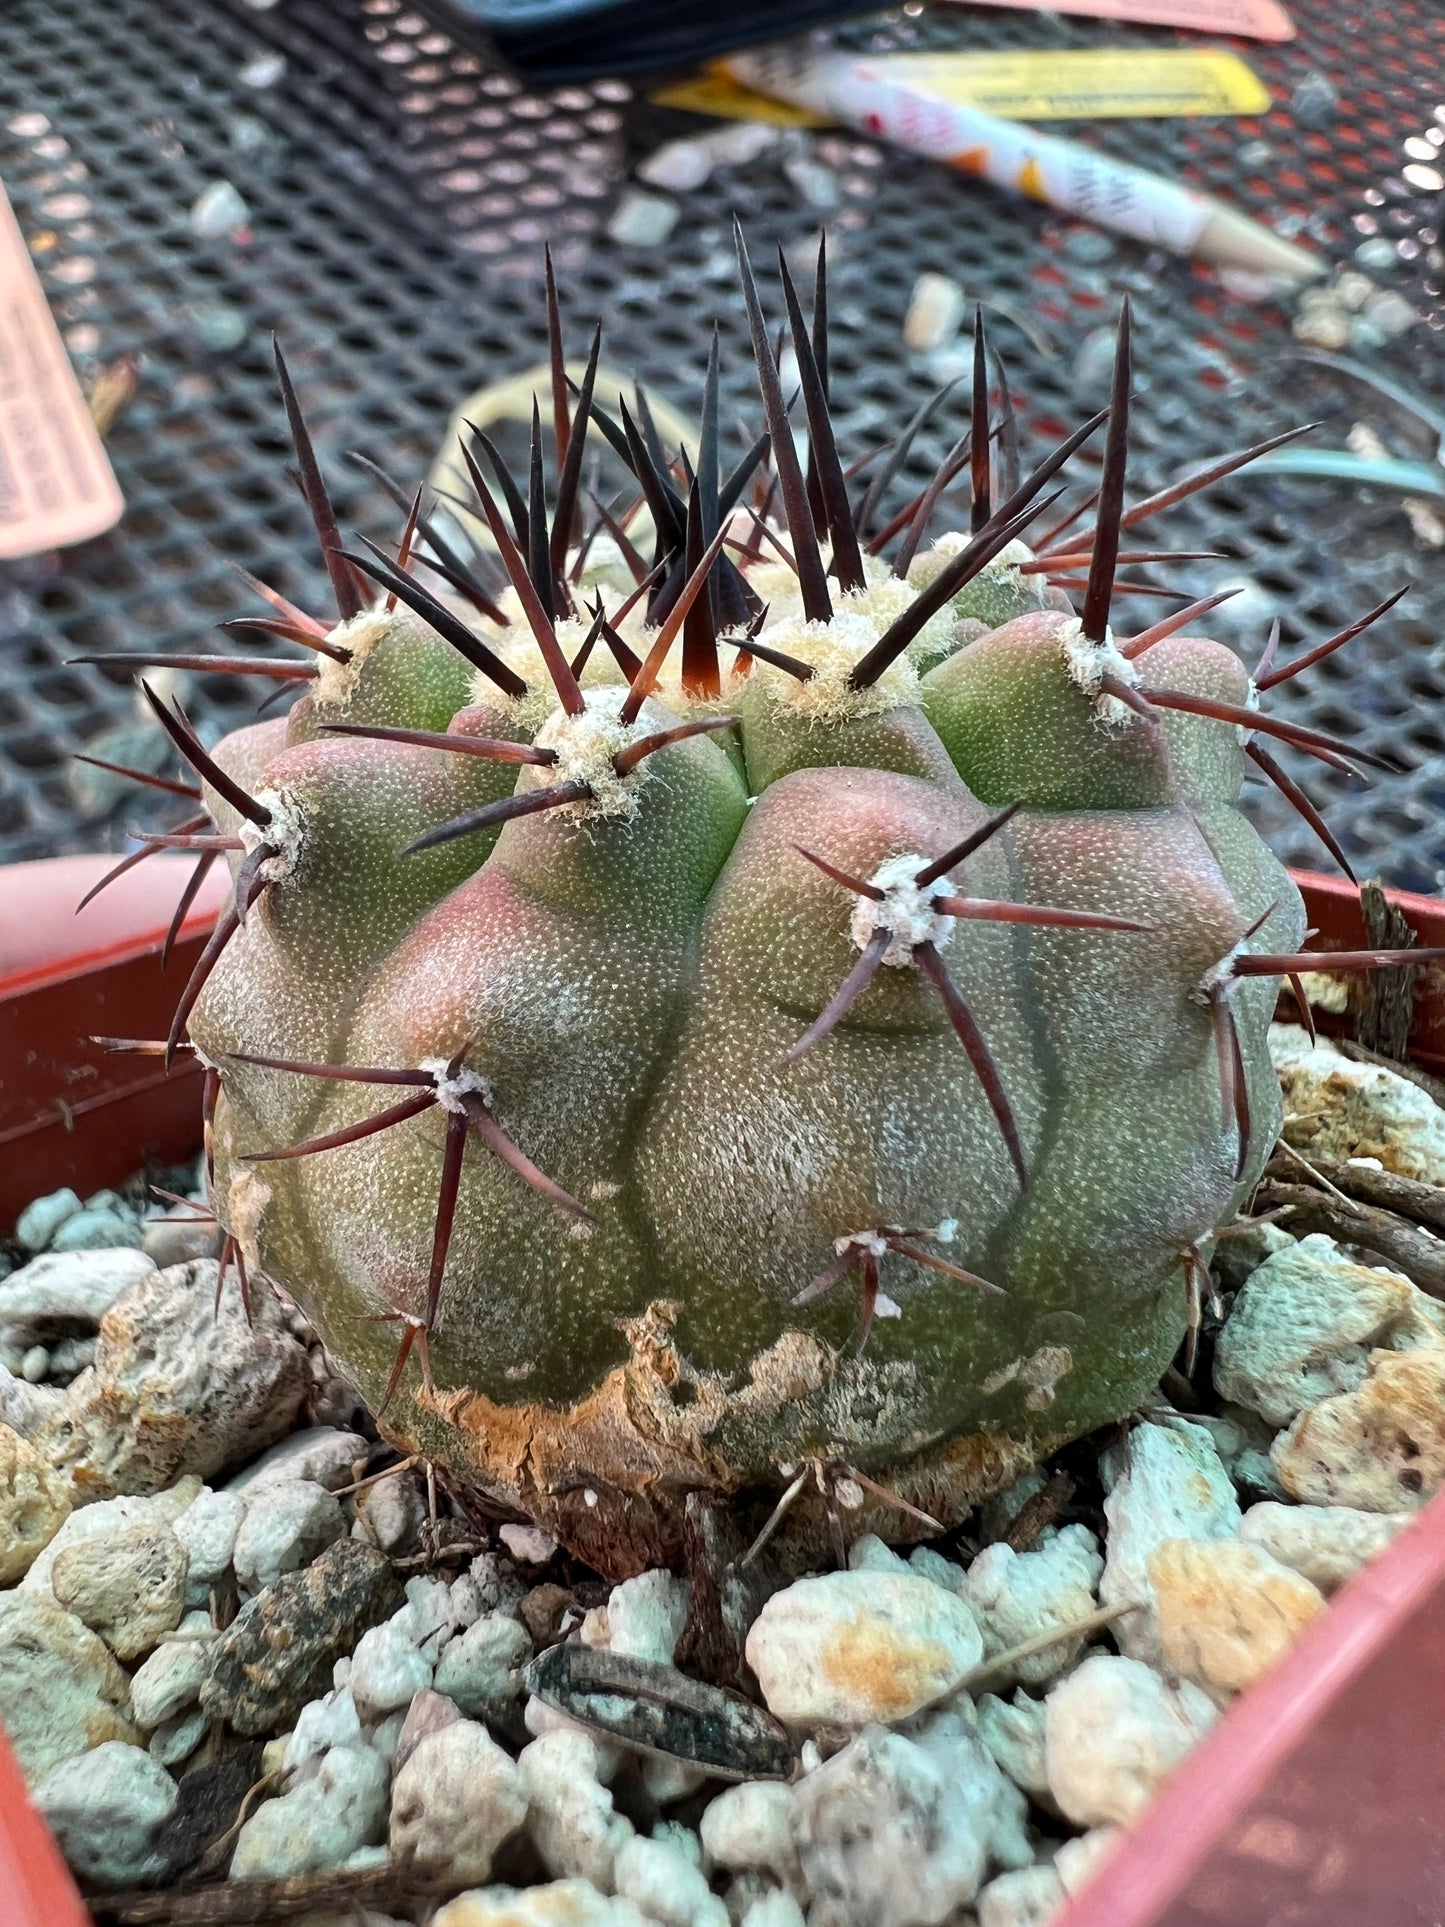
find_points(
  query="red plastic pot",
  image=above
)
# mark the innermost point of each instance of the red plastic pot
(71, 1112)
(1314, 1803)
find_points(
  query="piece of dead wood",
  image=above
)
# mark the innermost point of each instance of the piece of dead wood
(1042, 1510)
(1406, 1197)
(256, 1903)
(1387, 1008)
(1408, 1247)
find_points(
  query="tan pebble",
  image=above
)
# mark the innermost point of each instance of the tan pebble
(1380, 1448)
(1227, 1611)
(34, 1505)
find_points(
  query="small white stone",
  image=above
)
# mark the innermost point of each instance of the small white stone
(1328, 1544)
(887, 1837)
(1304, 1325)
(1113, 1731)
(395, 1510)
(468, 1605)
(207, 1529)
(775, 1909)
(130, 1586)
(109, 1516)
(1016, 1596)
(948, 1736)
(570, 1816)
(560, 1903)
(677, 166)
(1227, 1611)
(318, 1824)
(869, 1554)
(1026, 1897)
(168, 1682)
(643, 220)
(668, 1781)
(284, 1528)
(498, 1582)
(428, 1615)
(385, 1737)
(68, 1291)
(105, 1809)
(935, 313)
(529, 1544)
(482, 1668)
(34, 1505)
(929, 1564)
(217, 210)
(61, 1690)
(43, 1217)
(323, 1455)
(1163, 1482)
(666, 1886)
(847, 1648)
(1077, 1861)
(1013, 1732)
(35, 1364)
(646, 1616)
(750, 1825)
(176, 1739)
(1380, 1448)
(387, 1671)
(195, 1624)
(322, 1724)
(455, 1801)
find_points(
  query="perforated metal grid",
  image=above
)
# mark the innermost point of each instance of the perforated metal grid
(398, 193)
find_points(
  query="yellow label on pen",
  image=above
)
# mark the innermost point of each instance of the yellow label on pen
(1070, 84)
(1094, 84)
(715, 93)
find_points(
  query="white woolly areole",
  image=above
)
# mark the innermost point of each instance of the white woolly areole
(518, 648)
(1219, 974)
(953, 542)
(906, 911)
(285, 833)
(878, 604)
(1089, 662)
(450, 1091)
(1251, 701)
(585, 746)
(359, 635)
(873, 1241)
(831, 650)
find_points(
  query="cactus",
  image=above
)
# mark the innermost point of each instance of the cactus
(763, 1007)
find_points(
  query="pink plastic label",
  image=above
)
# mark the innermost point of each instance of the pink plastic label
(1250, 19)
(56, 486)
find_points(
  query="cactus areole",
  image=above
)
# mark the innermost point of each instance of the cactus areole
(729, 983)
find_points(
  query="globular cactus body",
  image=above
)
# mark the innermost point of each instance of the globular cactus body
(834, 1054)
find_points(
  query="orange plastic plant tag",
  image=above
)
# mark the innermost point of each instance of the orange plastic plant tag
(1250, 19)
(56, 486)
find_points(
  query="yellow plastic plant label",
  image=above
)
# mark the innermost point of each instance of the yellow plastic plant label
(1069, 84)
(1094, 84)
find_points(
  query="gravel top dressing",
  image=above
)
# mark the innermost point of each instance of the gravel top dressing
(257, 1668)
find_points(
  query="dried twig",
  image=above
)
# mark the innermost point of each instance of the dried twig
(1407, 1247)
(256, 1903)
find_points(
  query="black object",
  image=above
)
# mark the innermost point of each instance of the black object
(551, 41)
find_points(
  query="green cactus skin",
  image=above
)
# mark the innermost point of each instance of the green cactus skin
(687, 1254)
